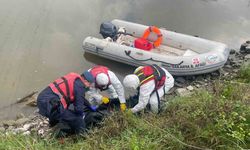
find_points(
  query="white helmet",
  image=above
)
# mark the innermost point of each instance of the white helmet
(131, 81)
(102, 79)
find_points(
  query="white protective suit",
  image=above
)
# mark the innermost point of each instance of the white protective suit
(146, 90)
(115, 90)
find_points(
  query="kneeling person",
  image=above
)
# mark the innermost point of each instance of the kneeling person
(151, 83)
(106, 80)
(63, 101)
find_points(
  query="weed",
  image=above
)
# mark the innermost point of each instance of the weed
(244, 73)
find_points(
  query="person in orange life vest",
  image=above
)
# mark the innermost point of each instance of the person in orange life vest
(106, 80)
(151, 83)
(63, 101)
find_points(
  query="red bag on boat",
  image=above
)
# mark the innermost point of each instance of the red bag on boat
(143, 44)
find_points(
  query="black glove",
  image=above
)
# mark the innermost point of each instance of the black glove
(54, 103)
(132, 101)
(114, 100)
(115, 103)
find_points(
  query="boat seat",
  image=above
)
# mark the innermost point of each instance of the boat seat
(167, 50)
(189, 52)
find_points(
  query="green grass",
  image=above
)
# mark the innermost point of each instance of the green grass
(244, 74)
(204, 120)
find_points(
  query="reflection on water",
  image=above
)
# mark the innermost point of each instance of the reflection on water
(41, 40)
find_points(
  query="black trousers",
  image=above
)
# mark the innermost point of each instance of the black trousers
(50, 106)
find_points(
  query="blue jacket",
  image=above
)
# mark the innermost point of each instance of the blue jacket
(43, 99)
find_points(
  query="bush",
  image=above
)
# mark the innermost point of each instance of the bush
(219, 120)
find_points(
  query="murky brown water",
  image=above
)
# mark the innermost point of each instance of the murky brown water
(41, 40)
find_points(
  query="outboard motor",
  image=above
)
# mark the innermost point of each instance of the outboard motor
(107, 29)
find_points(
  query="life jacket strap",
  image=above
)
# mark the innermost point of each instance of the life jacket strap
(67, 87)
(66, 97)
(143, 79)
(158, 99)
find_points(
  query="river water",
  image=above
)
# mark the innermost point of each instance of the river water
(41, 40)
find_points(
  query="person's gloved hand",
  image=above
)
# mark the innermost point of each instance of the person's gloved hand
(94, 108)
(54, 103)
(105, 100)
(123, 106)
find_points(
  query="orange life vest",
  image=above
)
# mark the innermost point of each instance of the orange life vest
(64, 87)
(148, 73)
(100, 69)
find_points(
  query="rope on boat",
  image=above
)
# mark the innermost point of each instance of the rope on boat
(129, 52)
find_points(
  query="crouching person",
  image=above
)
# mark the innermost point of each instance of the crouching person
(106, 80)
(151, 83)
(63, 102)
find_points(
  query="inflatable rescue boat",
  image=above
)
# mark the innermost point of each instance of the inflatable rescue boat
(137, 45)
